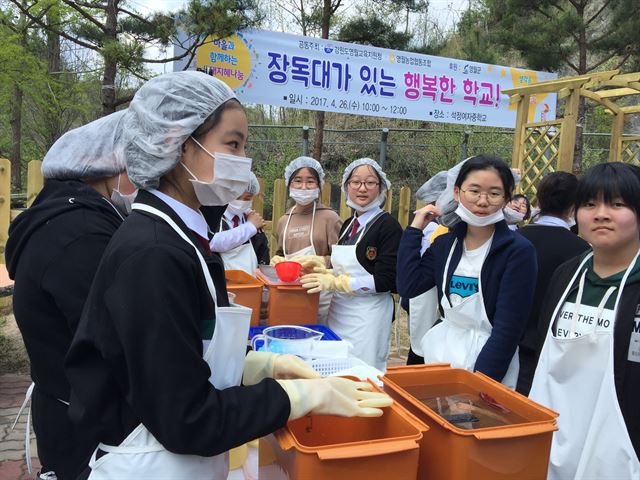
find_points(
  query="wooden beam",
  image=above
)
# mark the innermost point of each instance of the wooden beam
(602, 101)
(631, 109)
(617, 92)
(522, 115)
(550, 86)
(568, 134)
(622, 80)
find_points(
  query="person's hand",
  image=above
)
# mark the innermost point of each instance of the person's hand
(276, 259)
(310, 262)
(256, 219)
(318, 282)
(334, 396)
(287, 367)
(424, 215)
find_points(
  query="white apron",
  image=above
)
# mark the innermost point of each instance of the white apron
(140, 455)
(423, 315)
(575, 377)
(464, 330)
(325, 297)
(363, 319)
(243, 257)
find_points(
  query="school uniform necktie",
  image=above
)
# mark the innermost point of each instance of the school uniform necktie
(204, 242)
(354, 228)
(236, 221)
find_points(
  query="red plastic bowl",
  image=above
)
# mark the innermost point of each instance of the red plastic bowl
(288, 271)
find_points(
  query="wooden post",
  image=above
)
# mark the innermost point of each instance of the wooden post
(522, 117)
(389, 201)
(258, 200)
(35, 180)
(325, 194)
(615, 146)
(404, 206)
(345, 212)
(5, 204)
(279, 202)
(568, 133)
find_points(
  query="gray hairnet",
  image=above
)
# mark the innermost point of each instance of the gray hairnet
(445, 203)
(164, 112)
(303, 162)
(432, 188)
(90, 151)
(386, 184)
(254, 186)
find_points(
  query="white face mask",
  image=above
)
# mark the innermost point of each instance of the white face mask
(239, 207)
(122, 201)
(512, 216)
(370, 206)
(472, 219)
(231, 176)
(302, 196)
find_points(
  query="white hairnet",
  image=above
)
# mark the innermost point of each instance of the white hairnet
(432, 188)
(90, 151)
(162, 115)
(254, 186)
(303, 162)
(385, 185)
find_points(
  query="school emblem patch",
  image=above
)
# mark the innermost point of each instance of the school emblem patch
(372, 253)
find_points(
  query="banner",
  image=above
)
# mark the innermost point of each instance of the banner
(304, 72)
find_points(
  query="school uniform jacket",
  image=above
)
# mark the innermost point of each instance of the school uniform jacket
(137, 355)
(377, 250)
(508, 276)
(626, 328)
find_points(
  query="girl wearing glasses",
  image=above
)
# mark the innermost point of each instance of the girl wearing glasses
(306, 232)
(483, 272)
(364, 266)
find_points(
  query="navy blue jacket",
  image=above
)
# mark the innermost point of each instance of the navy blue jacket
(508, 279)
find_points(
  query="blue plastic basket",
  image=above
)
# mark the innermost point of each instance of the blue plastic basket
(328, 333)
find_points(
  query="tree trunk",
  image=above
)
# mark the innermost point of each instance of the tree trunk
(52, 117)
(16, 138)
(582, 70)
(108, 93)
(319, 136)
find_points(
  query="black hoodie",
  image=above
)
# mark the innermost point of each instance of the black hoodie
(52, 254)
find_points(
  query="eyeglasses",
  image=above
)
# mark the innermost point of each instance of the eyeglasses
(296, 182)
(473, 195)
(356, 184)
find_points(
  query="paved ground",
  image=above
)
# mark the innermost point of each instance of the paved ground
(12, 463)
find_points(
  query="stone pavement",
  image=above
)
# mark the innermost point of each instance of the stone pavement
(12, 462)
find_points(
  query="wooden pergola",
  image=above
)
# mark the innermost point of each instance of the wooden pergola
(547, 146)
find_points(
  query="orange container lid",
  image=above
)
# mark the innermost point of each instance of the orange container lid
(240, 279)
(541, 419)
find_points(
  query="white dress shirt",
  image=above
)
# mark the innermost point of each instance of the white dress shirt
(194, 220)
(365, 283)
(226, 240)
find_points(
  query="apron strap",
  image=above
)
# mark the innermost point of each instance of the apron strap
(27, 435)
(286, 228)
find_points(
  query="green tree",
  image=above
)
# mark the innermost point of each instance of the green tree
(371, 30)
(575, 36)
(120, 35)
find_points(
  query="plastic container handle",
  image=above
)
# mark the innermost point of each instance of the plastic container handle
(255, 338)
(519, 431)
(369, 450)
(289, 287)
(284, 438)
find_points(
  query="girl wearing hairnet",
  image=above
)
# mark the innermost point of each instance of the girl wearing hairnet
(364, 266)
(239, 239)
(483, 272)
(308, 230)
(159, 355)
(53, 251)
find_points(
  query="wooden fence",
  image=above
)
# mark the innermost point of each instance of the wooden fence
(35, 183)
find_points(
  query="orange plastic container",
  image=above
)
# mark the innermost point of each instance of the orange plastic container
(518, 451)
(340, 448)
(289, 303)
(248, 291)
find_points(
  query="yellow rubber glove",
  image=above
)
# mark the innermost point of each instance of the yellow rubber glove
(276, 259)
(334, 396)
(261, 365)
(310, 262)
(318, 282)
